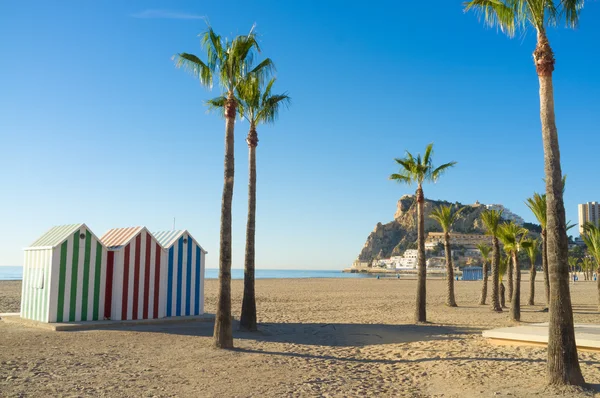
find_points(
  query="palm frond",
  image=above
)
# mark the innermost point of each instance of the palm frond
(435, 174)
(196, 67)
(537, 205)
(217, 105)
(570, 9)
(495, 13)
(491, 221)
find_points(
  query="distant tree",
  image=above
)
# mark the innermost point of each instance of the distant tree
(418, 170)
(491, 221)
(446, 217)
(532, 248)
(591, 237)
(485, 258)
(533, 227)
(511, 235)
(537, 205)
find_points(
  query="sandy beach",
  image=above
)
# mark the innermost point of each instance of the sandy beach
(318, 337)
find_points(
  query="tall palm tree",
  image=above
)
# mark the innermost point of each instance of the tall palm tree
(532, 247)
(230, 62)
(257, 105)
(591, 237)
(537, 205)
(446, 217)
(417, 170)
(511, 235)
(485, 255)
(491, 221)
(510, 16)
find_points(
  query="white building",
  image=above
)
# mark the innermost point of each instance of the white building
(506, 213)
(588, 212)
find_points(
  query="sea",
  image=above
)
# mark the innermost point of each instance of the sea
(16, 273)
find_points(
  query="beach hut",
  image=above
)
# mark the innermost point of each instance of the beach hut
(472, 274)
(185, 264)
(64, 276)
(135, 269)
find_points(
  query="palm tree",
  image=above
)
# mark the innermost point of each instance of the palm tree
(573, 263)
(231, 63)
(446, 217)
(257, 106)
(537, 205)
(502, 268)
(485, 254)
(491, 221)
(591, 237)
(511, 235)
(532, 247)
(417, 170)
(588, 267)
(510, 16)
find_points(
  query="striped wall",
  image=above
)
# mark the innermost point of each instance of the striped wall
(185, 278)
(137, 269)
(35, 293)
(65, 283)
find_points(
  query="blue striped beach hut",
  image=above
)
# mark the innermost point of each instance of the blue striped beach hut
(185, 265)
(64, 276)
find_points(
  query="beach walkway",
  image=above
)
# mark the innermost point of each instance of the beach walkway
(587, 337)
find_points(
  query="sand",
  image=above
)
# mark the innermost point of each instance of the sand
(327, 337)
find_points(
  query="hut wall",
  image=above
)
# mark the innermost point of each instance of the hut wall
(35, 289)
(137, 270)
(185, 278)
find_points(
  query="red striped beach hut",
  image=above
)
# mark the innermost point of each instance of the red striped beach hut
(135, 268)
(64, 276)
(185, 265)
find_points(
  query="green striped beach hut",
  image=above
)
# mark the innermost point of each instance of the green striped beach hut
(64, 276)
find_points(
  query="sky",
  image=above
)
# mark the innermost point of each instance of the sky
(97, 125)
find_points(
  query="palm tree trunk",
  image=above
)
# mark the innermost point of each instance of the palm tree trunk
(502, 295)
(515, 308)
(248, 317)
(484, 286)
(420, 310)
(563, 364)
(450, 300)
(511, 280)
(495, 282)
(223, 334)
(532, 273)
(545, 266)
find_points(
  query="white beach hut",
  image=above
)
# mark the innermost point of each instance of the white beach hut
(64, 276)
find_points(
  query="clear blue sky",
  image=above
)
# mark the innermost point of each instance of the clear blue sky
(98, 126)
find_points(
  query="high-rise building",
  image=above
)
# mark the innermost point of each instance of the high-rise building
(589, 212)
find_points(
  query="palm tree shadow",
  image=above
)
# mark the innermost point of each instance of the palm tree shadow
(317, 334)
(351, 334)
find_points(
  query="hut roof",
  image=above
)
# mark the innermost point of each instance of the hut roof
(56, 235)
(117, 237)
(168, 238)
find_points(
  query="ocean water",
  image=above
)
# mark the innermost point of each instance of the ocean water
(11, 273)
(16, 273)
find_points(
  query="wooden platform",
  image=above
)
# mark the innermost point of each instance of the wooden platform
(587, 337)
(93, 325)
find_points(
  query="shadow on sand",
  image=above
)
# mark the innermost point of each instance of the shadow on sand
(322, 334)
